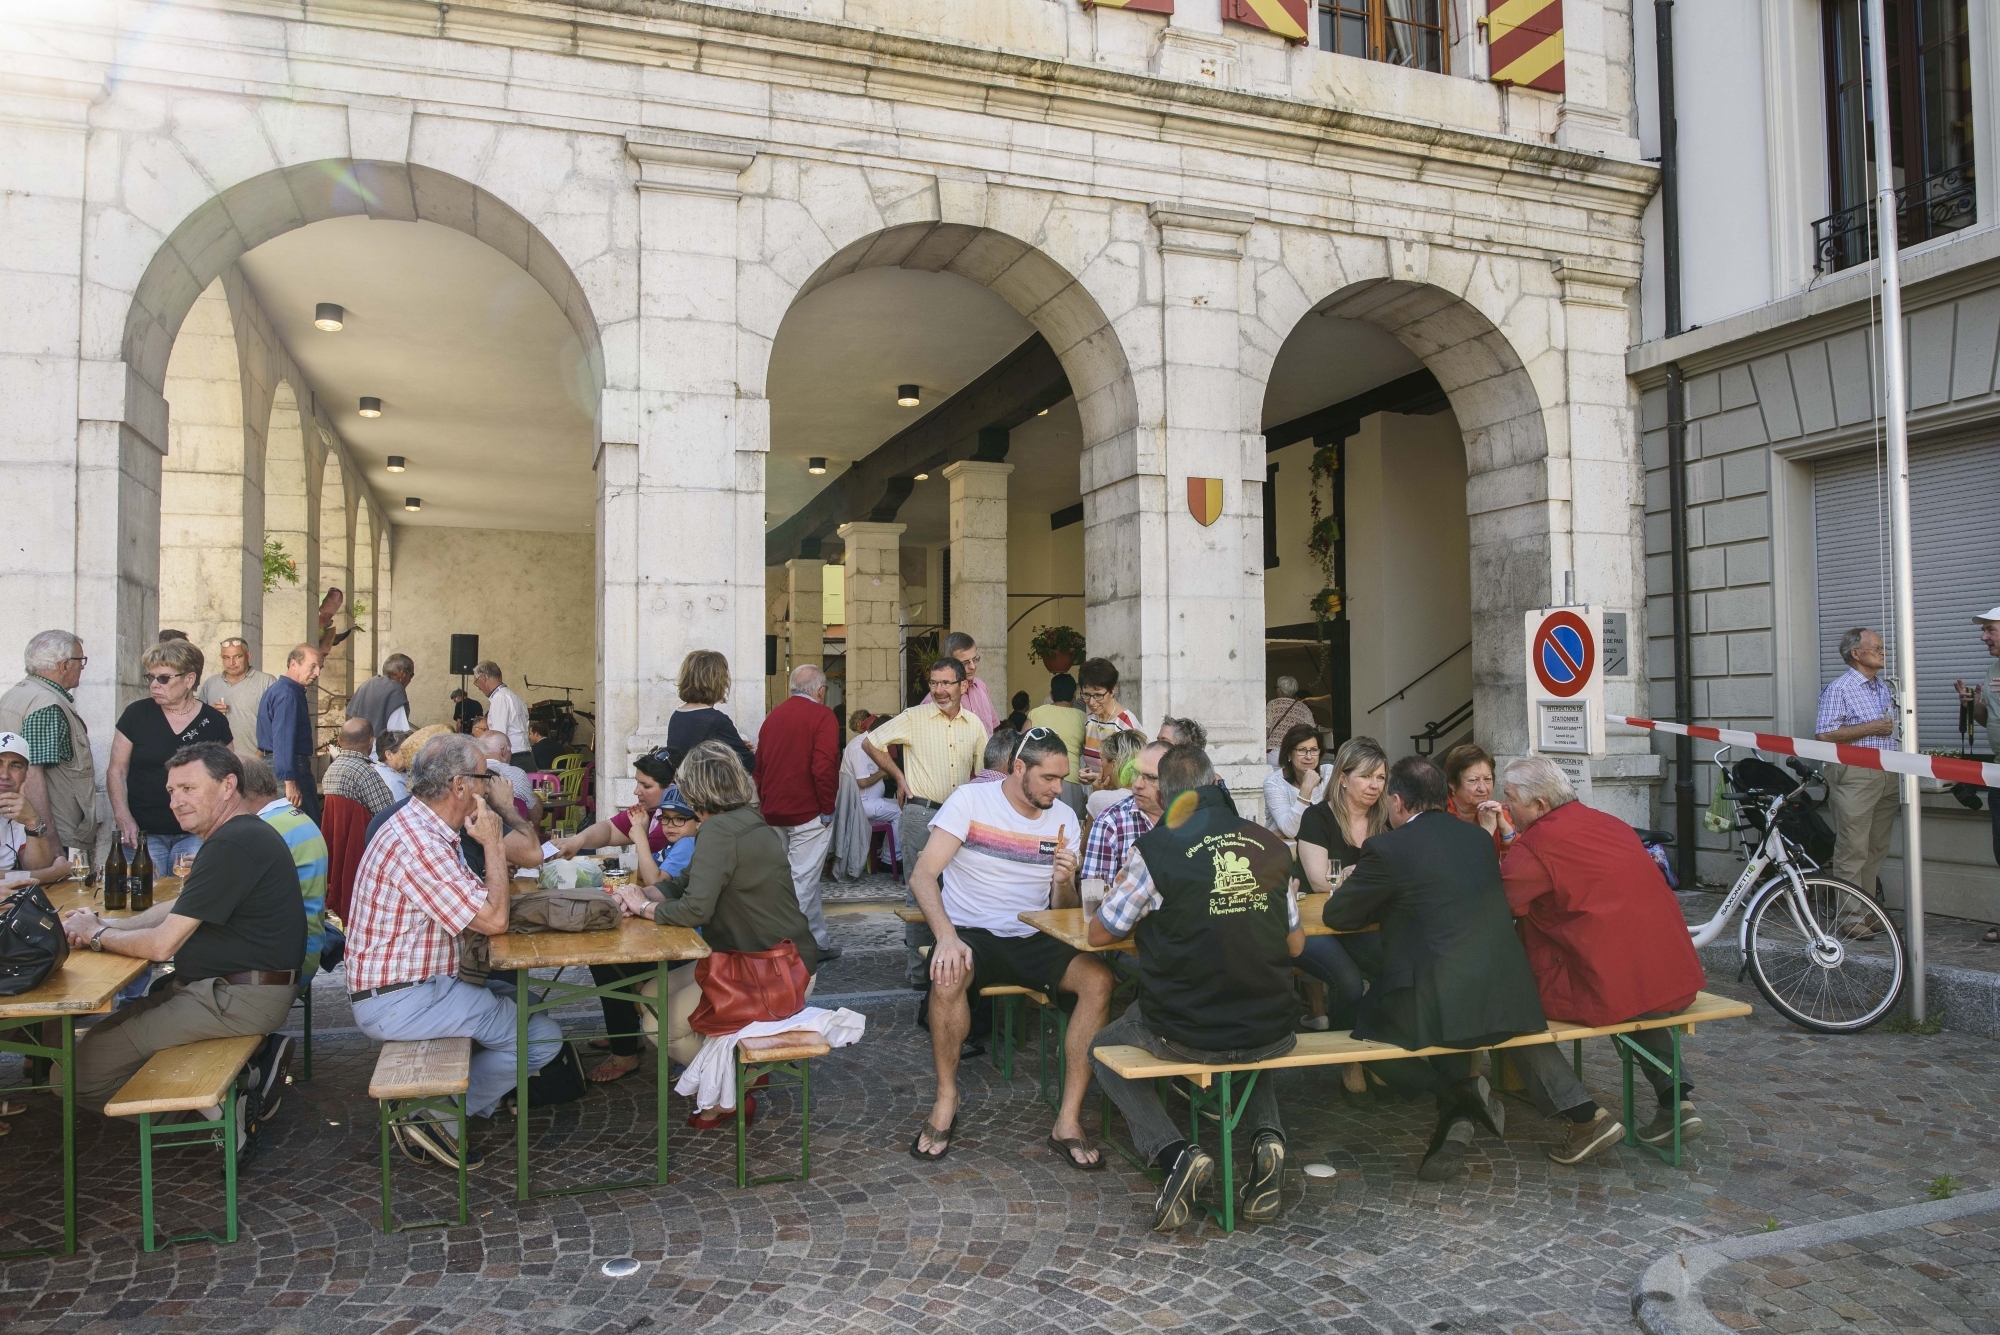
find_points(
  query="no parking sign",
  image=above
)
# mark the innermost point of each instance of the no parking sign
(1565, 675)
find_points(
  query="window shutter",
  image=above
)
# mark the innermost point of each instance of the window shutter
(1287, 18)
(1142, 6)
(1525, 40)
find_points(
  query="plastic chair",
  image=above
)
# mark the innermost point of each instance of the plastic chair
(882, 831)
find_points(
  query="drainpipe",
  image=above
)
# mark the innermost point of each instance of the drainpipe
(1670, 248)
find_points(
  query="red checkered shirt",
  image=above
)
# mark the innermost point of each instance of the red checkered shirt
(413, 895)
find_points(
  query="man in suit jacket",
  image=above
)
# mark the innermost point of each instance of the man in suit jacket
(1453, 972)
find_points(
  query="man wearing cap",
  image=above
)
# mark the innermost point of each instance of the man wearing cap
(29, 849)
(1858, 709)
(1985, 702)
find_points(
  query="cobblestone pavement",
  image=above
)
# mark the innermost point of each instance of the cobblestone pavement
(1001, 1236)
(1943, 1277)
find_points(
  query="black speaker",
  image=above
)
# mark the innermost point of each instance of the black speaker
(464, 654)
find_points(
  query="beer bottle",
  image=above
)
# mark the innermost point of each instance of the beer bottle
(114, 876)
(140, 883)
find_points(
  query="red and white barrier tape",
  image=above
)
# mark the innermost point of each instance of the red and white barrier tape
(1896, 762)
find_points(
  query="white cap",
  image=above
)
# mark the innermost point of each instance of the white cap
(16, 743)
(1990, 614)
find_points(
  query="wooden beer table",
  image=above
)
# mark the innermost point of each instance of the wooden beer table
(635, 941)
(73, 894)
(1069, 926)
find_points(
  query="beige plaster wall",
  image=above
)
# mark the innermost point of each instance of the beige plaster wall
(1290, 585)
(529, 597)
(1041, 562)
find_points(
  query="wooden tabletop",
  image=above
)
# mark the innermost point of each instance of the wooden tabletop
(1068, 926)
(73, 894)
(636, 941)
(84, 985)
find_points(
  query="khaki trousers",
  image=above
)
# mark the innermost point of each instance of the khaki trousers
(117, 1046)
(1864, 803)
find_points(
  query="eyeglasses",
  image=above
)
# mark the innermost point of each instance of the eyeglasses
(1095, 694)
(1026, 737)
(161, 678)
(81, 660)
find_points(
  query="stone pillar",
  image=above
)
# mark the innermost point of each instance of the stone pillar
(979, 566)
(874, 630)
(1213, 574)
(805, 625)
(698, 470)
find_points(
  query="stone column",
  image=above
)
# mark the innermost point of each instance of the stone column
(874, 630)
(805, 625)
(698, 470)
(979, 566)
(1214, 573)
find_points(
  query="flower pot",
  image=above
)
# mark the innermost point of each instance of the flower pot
(1058, 662)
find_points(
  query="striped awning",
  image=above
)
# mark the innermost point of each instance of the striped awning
(1525, 41)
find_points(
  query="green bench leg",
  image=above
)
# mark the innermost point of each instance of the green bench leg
(1627, 1052)
(174, 1136)
(402, 1111)
(1229, 1105)
(306, 1047)
(799, 1072)
(1051, 1019)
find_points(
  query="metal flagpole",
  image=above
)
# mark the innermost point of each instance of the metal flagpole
(1895, 398)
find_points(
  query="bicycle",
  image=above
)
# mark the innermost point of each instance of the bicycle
(1823, 953)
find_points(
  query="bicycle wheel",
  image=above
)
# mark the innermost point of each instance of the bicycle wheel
(1832, 984)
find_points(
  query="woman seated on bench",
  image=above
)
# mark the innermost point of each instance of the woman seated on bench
(1607, 942)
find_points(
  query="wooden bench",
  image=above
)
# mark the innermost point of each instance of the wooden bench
(188, 1078)
(1227, 1103)
(757, 1060)
(411, 1081)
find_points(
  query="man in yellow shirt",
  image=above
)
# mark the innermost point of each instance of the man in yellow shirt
(942, 745)
(1062, 718)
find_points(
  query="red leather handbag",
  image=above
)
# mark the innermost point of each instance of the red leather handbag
(744, 987)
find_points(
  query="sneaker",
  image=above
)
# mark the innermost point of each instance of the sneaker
(437, 1139)
(1176, 1200)
(1496, 1111)
(274, 1064)
(1660, 1131)
(828, 954)
(1446, 1159)
(1583, 1139)
(1264, 1189)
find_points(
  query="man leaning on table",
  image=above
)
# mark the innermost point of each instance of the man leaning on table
(236, 935)
(413, 898)
(1209, 900)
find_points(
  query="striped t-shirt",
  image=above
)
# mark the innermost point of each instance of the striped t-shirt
(308, 847)
(1005, 864)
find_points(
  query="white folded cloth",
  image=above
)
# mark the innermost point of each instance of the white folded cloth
(710, 1079)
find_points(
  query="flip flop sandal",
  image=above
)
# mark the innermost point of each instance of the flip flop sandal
(1992, 936)
(940, 1140)
(9, 1108)
(1066, 1151)
(596, 1079)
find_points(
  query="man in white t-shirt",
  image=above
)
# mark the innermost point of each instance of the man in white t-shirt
(1001, 850)
(878, 798)
(29, 850)
(506, 712)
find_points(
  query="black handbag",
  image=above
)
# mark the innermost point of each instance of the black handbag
(32, 942)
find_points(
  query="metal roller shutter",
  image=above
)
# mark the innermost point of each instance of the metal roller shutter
(1955, 523)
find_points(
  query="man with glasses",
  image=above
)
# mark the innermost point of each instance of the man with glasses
(414, 897)
(285, 729)
(42, 709)
(1113, 834)
(237, 693)
(942, 748)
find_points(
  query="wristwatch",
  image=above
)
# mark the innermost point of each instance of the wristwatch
(34, 831)
(97, 937)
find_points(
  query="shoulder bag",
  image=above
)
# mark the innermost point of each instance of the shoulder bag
(745, 987)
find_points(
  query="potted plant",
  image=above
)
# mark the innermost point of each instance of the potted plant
(1056, 647)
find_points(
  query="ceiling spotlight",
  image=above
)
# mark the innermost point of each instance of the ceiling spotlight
(413, 503)
(371, 407)
(329, 317)
(923, 477)
(906, 396)
(816, 465)
(1043, 413)
(397, 463)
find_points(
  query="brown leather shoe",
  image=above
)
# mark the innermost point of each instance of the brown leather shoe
(1583, 1139)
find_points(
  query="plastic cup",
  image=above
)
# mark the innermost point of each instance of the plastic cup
(1093, 897)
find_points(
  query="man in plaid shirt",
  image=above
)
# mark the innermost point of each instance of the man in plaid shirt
(1113, 833)
(1858, 709)
(413, 897)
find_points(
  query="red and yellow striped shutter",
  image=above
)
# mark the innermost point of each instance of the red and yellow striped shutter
(1142, 6)
(1526, 43)
(1287, 18)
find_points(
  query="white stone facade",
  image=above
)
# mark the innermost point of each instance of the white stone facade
(676, 175)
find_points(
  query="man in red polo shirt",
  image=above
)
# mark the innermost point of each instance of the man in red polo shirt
(1607, 942)
(798, 776)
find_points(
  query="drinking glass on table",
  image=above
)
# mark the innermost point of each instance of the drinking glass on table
(1093, 897)
(183, 865)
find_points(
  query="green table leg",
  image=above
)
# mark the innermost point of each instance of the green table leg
(521, 1084)
(61, 1056)
(146, 1181)
(306, 1054)
(68, 1059)
(661, 1062)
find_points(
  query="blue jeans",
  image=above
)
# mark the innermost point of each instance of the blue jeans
(442, 1007)
(1329, 959)
(167, 848)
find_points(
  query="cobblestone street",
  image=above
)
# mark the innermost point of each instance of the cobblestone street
(1001, 1237)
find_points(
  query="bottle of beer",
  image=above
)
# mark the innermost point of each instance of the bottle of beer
(139, 885)
(114, 876)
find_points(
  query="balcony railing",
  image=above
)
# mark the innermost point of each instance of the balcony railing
(1926, 209)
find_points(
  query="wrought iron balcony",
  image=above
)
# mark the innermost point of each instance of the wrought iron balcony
(1926, 209)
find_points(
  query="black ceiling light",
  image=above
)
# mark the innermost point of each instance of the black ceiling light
(816, 465)
(371, 407)
(907, 396)
(397, 463)
(329, 317)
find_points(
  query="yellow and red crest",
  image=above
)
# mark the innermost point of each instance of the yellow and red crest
(1205, 499)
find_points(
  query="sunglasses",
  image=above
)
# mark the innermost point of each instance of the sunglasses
(161, 678)
(1029, 736)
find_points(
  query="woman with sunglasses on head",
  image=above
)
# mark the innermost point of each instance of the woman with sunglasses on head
(149, 732)
(1119, 754)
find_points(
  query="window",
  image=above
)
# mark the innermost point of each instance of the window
(1930, 127)
(1401, 32)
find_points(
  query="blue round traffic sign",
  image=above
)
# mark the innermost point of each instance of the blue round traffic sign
(1564, 653)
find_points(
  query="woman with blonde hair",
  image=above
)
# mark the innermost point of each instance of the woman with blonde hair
(149, 732)
(738, 890)
(1120, 754)
(1331, 833)
(703, 685)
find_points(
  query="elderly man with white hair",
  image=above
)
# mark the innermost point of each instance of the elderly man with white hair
(498, 764)
(41, 709)
(798, 780)
(1607, 943)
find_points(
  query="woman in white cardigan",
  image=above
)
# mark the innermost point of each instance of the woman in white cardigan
(1298, 782)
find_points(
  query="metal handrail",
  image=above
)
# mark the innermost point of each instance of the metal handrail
(1426, 740)
(1425, 673)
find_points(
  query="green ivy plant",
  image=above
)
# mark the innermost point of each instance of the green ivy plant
(1328, 602)
(279, 566)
